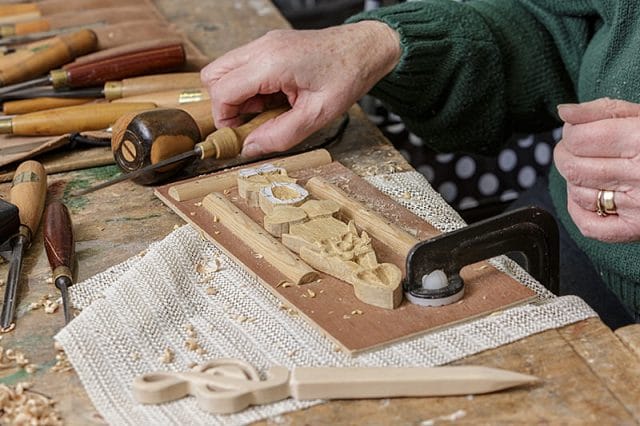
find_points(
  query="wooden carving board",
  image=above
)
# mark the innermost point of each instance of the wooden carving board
(334, 310)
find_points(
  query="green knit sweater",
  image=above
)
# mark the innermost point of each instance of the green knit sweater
(472, 73)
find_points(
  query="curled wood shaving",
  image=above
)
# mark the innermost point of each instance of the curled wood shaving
(311, 293)
(167, 356)
(19, 406)
(212, 291)
(50, 306)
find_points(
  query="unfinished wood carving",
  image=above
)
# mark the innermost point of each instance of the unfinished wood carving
(310, 229)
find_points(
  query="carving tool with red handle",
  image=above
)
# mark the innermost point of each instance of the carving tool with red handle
(87, 74)
(28, 193)
(59, 244)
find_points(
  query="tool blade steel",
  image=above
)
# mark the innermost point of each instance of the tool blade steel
(20, 243)
(136, 173)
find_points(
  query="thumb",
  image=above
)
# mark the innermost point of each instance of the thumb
(281, 133)
(600, 109)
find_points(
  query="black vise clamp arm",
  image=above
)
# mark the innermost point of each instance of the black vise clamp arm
(530, 231)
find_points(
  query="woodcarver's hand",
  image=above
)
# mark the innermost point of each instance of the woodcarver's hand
(321, 73)
(600, 150)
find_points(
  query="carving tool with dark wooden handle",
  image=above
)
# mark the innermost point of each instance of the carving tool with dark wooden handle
(59, 244)
(86, 74)
(61, 50)
(28, 193)
(131, 150)
(49, 7)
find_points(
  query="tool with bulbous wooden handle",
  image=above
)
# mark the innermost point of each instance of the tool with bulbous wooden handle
(59, 244)
(28, 193)
(61, 50)
(49, 7)
(221, 144)
(227, 386)
(131, 64)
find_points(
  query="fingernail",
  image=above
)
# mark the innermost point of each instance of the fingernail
(565, 106)
(251, 149)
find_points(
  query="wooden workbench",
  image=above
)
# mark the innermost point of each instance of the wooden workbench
(590, 374)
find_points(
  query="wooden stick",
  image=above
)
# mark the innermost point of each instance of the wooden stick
(393, 236)
(259, 240)
(217, 183)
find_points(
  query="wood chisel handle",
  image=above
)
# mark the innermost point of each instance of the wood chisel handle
(227, 142)
(61, 51)
(129, 65)
(28, 193)
(27, 27)
(59, 243)
(18, 9)
(59, 121)
(151, 83)
(24, 106)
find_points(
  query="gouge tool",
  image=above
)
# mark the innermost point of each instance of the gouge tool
(59, 244)
(87, 74)
(28, 193)
(9, 222)
(61, 50)
(227, 386)
(221, 144)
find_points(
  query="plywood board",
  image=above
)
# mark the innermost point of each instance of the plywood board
(353, 325)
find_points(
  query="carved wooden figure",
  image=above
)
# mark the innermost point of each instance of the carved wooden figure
(310, 229)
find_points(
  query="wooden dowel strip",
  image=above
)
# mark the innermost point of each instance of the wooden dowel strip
(217, 183)
(260, 241)
(378, 227)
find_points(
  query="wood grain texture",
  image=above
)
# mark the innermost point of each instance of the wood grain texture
(28, 193)
(630, 336)
(353, 325)
(59, 242)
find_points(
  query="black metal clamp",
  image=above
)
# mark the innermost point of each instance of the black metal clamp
(530, 231)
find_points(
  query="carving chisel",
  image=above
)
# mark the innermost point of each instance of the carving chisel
(221, 144)
(28, 193)
(59, 244)
(79, 118)
(75, 19)
(128, 87)
(87, 74)
(49, 7)
(59, 51)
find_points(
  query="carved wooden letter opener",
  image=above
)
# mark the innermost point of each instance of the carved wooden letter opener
(226, 386)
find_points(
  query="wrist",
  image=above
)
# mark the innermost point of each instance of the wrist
(383, 45)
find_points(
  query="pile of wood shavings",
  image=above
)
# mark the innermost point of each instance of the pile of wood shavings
(19, 406)
(12, 358)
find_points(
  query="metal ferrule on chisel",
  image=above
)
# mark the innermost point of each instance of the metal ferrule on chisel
(62, 272)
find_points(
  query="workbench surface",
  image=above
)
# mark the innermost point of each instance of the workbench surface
(590, 374)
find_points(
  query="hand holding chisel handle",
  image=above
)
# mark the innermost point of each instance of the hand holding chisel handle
(28, 194)
(59, 244)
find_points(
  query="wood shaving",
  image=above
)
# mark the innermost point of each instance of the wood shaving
(345, 316)
(215, 219)
(134, 356)
(12, 358)
(19, 406)
(212, 291)
(198, 204)
(226, 192)
(191, 332)
(49, 280)
(192, 343)
(50, 306)
(192, 213)
(357, 312)
(311, 293)
(167, 356)
(258, 256)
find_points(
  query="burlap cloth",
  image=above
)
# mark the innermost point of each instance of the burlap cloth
(134, 311)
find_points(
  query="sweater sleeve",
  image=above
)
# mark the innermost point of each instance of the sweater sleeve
(472, 73)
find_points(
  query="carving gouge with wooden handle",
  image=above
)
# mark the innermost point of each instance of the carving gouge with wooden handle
(28, 193)
(86, 74)
(49, 7)
(221, 144)
(61, 50)
(60, 247)
(78, 118)
(117, 89)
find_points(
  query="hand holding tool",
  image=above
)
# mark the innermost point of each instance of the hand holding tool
(59, 51)
(59, 244)
(227, 386)
(85, 74)
(131, 147)
(28, 194)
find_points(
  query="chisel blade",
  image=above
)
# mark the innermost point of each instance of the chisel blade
(131, 175)
(19, 245)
